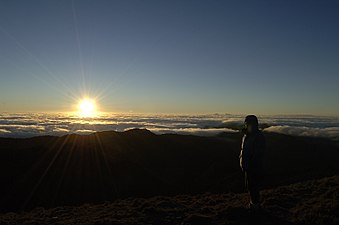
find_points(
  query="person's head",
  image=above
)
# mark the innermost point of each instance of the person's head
(251, 123)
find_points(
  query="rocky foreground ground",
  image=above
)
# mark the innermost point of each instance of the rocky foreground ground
(309, 202)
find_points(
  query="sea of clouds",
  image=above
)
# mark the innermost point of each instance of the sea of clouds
(24, 125)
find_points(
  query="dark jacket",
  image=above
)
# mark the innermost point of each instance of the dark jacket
(252, 151)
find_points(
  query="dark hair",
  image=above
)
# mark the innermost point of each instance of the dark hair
(251, 119)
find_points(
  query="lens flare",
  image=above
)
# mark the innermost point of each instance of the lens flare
(87, 108)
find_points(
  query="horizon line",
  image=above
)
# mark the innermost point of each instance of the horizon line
(174, 113)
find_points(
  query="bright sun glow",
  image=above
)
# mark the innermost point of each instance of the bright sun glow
(87, 108)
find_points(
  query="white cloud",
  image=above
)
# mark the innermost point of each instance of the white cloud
(84, 131)
(60, 130)
(4, 131)
(328, 132)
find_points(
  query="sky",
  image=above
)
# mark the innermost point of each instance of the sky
(262, 57)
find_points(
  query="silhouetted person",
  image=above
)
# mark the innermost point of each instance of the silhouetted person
(251, 159)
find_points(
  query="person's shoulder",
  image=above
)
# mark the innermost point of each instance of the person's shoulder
(260, 135)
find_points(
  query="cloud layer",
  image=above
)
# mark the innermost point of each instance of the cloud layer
(37, 124)
(328, 132)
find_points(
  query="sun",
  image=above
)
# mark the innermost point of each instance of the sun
(87, 108)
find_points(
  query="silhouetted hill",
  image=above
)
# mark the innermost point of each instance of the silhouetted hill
(75, 169)
(310, 202)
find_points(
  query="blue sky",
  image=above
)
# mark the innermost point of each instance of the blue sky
(264, 57)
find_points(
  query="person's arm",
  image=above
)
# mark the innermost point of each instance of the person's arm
(259, 147)
(245, 155)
